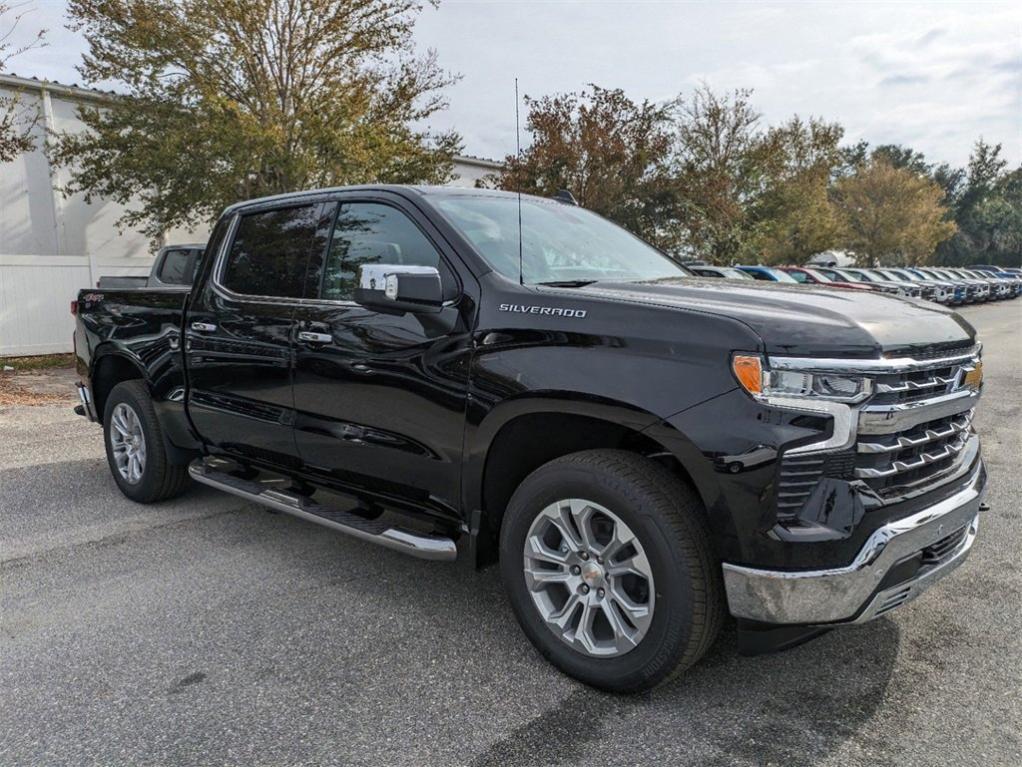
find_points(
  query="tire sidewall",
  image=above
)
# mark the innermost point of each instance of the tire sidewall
(149, 485)
(670, 630)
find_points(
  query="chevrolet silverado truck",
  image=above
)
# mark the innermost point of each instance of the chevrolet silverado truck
(470, 374)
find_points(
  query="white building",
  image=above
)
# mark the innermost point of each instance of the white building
(50, 246)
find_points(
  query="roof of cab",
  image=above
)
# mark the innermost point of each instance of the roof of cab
(406, 190)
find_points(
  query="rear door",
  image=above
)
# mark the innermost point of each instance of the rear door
(380, 398)
(239, 334)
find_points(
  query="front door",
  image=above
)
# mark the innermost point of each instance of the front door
(380, 398)
(239, 334)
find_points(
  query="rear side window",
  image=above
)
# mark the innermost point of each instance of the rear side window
(178, 267)
(799, 276)
(270, 252)
(371, 233)
(758, 275)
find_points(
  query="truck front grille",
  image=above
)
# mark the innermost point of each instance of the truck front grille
(914, 458)
(913, 434)
(915, 429)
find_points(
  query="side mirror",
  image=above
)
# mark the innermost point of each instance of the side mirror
(396, 288)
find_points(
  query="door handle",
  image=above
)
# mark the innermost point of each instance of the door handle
(203, 327)
(315, 338)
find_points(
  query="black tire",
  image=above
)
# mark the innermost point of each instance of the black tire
(667, 517)
(160, 478)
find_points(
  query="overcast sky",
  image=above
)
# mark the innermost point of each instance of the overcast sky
(931, 75)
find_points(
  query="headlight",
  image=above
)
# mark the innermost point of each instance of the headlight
(765, 384)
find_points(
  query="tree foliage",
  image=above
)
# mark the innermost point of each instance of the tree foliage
(717, 171)
(16, 119)
(609, 151)
(793, 216)
(891, 215)
(227, 99)
(987, 206)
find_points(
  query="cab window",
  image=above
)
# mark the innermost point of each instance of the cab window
(374, 233)
(270, 252)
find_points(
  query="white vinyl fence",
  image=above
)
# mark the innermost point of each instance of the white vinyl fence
(36, 294)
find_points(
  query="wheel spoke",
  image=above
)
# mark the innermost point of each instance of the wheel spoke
(584, 632)
(624, 635)
(538, 578)
(562, 520)
(562, 618)
(636, 564)
(638, 614)
(536, 549)
(622, 537)
(582, 513)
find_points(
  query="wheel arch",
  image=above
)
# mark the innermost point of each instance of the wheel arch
(109, 368)
(519, 436)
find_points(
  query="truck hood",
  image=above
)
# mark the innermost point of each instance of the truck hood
(803, 319)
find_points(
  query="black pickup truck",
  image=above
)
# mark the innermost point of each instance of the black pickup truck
(466, 373)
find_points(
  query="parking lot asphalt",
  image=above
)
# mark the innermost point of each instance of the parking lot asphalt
(207, 631)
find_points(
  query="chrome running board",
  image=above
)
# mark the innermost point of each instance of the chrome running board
(421, 545)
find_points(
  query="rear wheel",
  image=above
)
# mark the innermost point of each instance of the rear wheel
(135, 449)
(608, 564)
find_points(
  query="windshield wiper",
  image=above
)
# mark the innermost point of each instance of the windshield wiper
(566, 283)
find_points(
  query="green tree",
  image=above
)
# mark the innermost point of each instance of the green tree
(792, 216)
(891, 215)
(607, 150)
(16, 120)
(717, 172)
(240, 98)
(987, 207)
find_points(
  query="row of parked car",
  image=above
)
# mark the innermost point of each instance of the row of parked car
(951, 286)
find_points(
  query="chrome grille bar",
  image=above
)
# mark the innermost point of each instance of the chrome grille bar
(903, 441)
(899, 467)
(929, 383)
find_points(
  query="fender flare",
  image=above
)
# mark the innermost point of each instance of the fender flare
(480, 438)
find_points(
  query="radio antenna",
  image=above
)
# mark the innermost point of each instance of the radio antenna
(518, 185)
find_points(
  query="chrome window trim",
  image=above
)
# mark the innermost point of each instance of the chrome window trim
(866, 366)
(225, 292)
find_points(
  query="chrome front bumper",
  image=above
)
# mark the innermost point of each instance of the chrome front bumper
(849, 594)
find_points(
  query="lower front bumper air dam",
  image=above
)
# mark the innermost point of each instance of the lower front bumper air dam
(939, 537)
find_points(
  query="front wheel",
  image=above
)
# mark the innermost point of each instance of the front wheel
(135, 449)
(607, 561)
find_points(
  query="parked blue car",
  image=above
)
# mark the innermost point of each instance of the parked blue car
(767, 274)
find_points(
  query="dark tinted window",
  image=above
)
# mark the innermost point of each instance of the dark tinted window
(270, 252)
(371, 233)
(178, 267)
(705, 272)
(758, 276)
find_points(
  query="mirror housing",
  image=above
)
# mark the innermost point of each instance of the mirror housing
(397, 288)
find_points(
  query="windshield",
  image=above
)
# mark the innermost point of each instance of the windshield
(777, 274)
(859, 276)
(893, 275)
(820, 276)
(559, 243)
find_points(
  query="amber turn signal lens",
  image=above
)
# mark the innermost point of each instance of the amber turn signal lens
(974, 377)
(748, 370)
